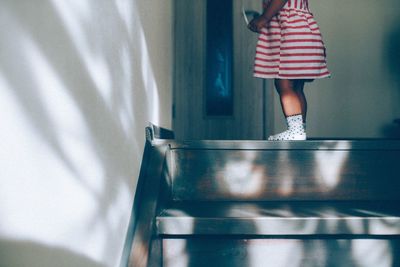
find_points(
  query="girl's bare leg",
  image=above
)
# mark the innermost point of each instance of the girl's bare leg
(292, 102)
(299, 89)
(289, 96)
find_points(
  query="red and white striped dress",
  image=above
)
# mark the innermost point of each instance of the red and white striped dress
(291, 46)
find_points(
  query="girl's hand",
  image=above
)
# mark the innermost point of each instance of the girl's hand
(271, 9)
(257, 24)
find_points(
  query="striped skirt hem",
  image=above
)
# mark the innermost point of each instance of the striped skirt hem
(291, 47)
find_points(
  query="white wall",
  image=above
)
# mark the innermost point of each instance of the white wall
(79, 80)
(362, 97)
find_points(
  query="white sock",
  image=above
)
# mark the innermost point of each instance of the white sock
(295, 131)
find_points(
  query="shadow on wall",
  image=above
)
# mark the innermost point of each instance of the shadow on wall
(392, 59)
(80, 76)
(37, 255)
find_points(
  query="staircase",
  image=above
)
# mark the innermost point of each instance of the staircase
(257, 203)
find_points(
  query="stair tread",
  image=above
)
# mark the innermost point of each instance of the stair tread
(280, 218)
(310, 144)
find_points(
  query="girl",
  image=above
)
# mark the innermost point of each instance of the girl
(291, 51)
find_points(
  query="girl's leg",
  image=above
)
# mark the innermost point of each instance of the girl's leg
(292, 108)
(299, 88)
(290, 101)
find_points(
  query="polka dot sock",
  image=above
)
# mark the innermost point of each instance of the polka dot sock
(295, 131)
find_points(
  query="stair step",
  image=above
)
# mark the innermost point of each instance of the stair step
(326, 252)
(296, 218)
(264, 171)
(259, 203)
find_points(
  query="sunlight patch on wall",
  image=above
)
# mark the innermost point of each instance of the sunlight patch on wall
(75, 96)
(82, 8)
(94, 61)
(40, 203)
(126, 113)
(125, 8)
(65, 119)
(150, 84)
(98, 66)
